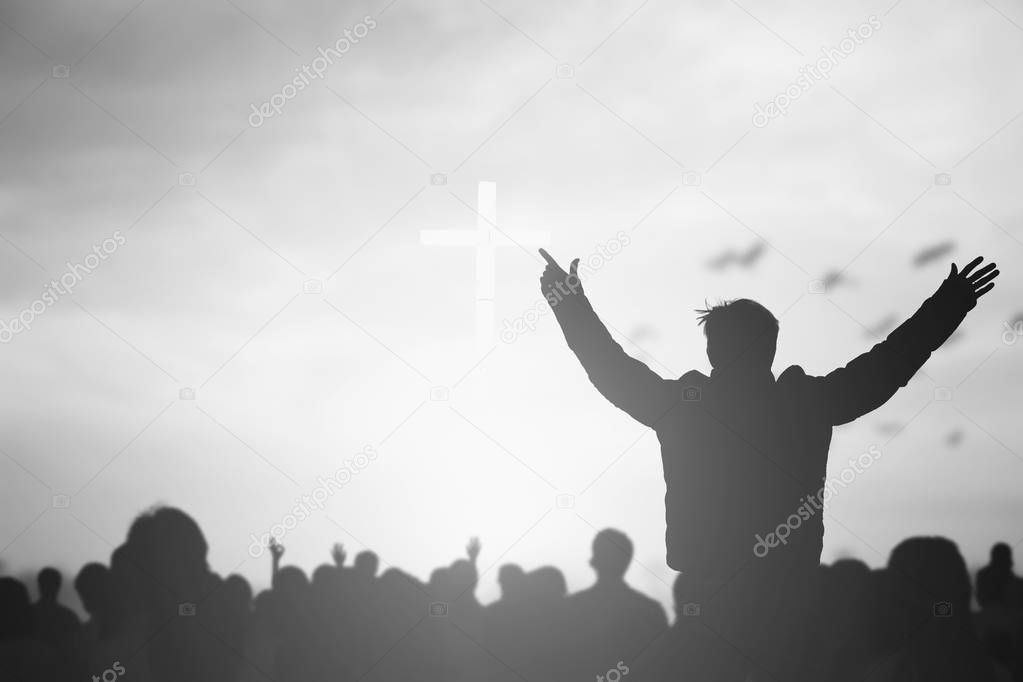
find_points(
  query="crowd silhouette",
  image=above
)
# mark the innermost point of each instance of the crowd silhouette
(158, 612)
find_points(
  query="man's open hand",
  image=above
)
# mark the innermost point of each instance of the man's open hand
(337, 552)
(473, 549)
(555, 282)
(971, 284)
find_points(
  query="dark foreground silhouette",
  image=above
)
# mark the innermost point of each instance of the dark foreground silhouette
(744, 453)
(157, 612)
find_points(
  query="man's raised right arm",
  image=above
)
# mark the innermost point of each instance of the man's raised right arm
(625, 381)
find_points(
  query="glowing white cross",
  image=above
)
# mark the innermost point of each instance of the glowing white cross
(486, 238)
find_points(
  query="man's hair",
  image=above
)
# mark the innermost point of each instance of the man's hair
(739, 333)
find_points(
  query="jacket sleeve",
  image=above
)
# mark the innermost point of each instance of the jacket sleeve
(628, 383)
(869, 380)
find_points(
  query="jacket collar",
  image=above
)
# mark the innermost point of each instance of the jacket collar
(741, 376)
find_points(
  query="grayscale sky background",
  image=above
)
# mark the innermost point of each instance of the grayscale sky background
(108, 110)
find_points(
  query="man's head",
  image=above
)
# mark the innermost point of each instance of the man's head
(92, 584)
(741, 334)
(612, 553)
(49, 580)
(367, 563)
(510, 577)
(1001, 555)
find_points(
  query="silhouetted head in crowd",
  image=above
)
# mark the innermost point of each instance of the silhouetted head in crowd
(741, 335)
(291, 583)
(547, 583)
(91, 584)
(238, 592)
(612, 553)
(367, 564)
(263, 606)
(1001, 556)
(936, 567)
(510, 577)
(15, 610)
(462, 578)
(925, 583)
(161, 564)
(126, 587)
(168, 532)
(323, 577)
(438, 582)
(49, 581)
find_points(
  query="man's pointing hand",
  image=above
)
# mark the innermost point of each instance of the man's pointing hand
(555, 283)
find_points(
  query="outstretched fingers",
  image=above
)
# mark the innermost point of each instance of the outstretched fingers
(971, 265)
(973, 278)
(981, 281)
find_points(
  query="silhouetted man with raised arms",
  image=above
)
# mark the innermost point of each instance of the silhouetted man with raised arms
(745, 454)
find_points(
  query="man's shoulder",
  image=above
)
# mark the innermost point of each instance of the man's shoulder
(644, 600)
(650, 608)
(693, 377)
(690, 385)
(792, 376)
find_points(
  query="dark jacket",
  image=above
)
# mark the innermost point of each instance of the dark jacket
(744, 454)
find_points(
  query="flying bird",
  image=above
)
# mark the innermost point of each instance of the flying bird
(752, 255)
(933, 253)
(834, 277)
(722, 260)
(744, 259)
(889, 428)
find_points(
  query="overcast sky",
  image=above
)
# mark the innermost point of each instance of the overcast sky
(133, 122)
